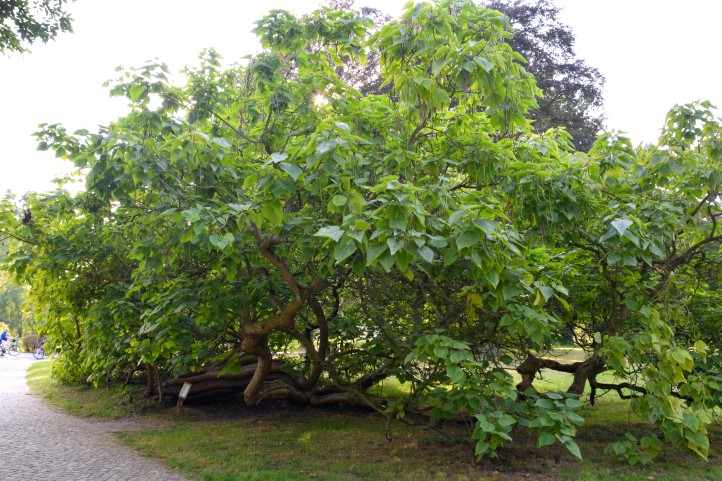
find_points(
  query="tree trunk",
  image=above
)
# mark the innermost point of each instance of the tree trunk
(150, 381)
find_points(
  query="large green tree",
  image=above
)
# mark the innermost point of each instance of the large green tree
(272, 230)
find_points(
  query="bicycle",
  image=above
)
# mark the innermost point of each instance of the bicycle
(39, 354)
(10, 348)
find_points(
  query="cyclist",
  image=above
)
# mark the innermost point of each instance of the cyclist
(40, 351)
(3, 341)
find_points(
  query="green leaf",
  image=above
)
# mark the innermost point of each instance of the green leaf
(361, 225)
(575, 418)
(459, 355)
(356, 235)
(356, 202)
(505, 420)
(394, 245)
(373, 252)
(635, 240)
(273, 212)
(438, 242)
(278, 157)
(492, 277)
(291, 169)
(573, 448)
(250, 182)
(691, 421)
(700, 347)
(326, 146)
(573, 403)
(621, 225)
(426, 253)
(698, 442)
(240, 207)
(630, 261)
(399, 220)
(487, 226)
(387, 262)
(344, 249)
(483, 423)
(221, 142)
(560, 289)
(683, 358)
(436, 66)
(456, 374)
(484, 63)
(545, 439)
(456, 216)
(546, 291)
(191, 215)
(424, 82)
(221, 242)
(654, 249)
(333, 232)
(339, 200)
(136, 92)
(538, 299)
(468, 238)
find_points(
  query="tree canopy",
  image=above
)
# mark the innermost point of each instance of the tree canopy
(571, 89)
(23, 22)
(270, 228)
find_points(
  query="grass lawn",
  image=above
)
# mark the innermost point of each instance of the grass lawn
(230, 443)
(111, 403)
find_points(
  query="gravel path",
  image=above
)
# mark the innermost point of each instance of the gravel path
(38, 442)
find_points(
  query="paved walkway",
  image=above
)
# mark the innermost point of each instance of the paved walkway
(39, 442)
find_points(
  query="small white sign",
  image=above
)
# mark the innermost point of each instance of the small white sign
(185, 390)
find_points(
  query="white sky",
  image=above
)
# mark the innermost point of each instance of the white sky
(654, 53)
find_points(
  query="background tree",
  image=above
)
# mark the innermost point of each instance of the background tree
(23, 22)
(12, 300)
(572, 89)
(364, 73)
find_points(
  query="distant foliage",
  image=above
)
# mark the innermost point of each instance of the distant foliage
(572, 89)
(23, 22)
(364, 73)
(30, 343)
(12, 299)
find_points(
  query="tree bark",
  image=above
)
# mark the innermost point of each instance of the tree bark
(582, 371)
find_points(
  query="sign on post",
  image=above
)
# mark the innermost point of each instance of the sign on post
(183, 394)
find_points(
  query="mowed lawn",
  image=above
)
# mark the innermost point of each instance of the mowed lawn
(226, 442)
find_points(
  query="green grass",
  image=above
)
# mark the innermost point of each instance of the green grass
(230, 443)
(303, 445)
(111, 403)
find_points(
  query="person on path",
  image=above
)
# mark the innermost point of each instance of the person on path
(3, 341)
(40, 351)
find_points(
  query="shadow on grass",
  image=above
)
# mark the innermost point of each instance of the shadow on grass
(228, 442)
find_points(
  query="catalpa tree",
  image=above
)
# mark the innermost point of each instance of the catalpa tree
(268, 229)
